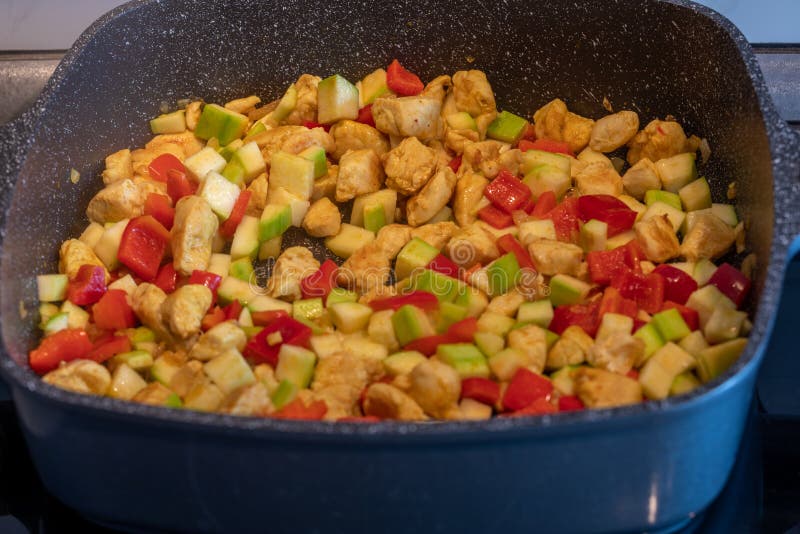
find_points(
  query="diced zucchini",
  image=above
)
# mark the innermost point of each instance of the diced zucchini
(461, 120)
(724, 324)
(507, 127)
(707, 299)
(543, 178)
(296, 365)
(506, 362)
(248, 161)
(726, 212)
(539, 313)
(57, 322)
(594, 235)
(495, 323)
(620, 239)
(265, 303)
(694, 343)
(371, 87)
(659, 372)
(503, 274)
(350, 317)
(716, 359)
(410, 323)
(683, 383)
(107, 246)
(125, 383)
(285, 106)
(275, 220)
(220, 263)
(297, 206)
(229, 371)
(78, 317)
(386, 198)
(224, 124)
(444, 287)
(532, 158)
(285, 393)
(416, 254)
(169, 123)
(337, 99)
(676, 171)
(293, 173)
(402, 363)
(658, 209)
(489, 343)
(670, 325)
(308, 309)
(651, 337)
(465, 358)
(203, 162)
(565, 289)
(696, 195)
(340, 294)
(270, 249)
(52, 287)
(242, 269)
(92, 234)
(316, 155)
(220, 194)
(658, 195)
(246, 238)
(164, 368)
(349, 239)
(234, 289)
(704, 269)
(138, 360)
(126, 284)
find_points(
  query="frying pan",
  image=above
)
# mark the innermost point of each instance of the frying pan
(646, 467)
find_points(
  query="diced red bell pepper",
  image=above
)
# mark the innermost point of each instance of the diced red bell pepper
(160, 208)
(614, 302)
(312, 124)
(401, 81)
(525, 387)
(604, 265)
(179, 186)
(547, 145)
(508, 243)
(297, 409)
(142, 247)
(427, 345)
(540, 406)
(569, 403)
(421, 299)
(463, 331)
(167, 278)
(232, 310)
(359, 419)
(528, 134)
(583, 315)
(507, 192)
(63, 346)
(677, 284)
(633, 373)
(608, 209)
(495, 216)
(159, 168)
(444, 265)
(265, 318)
(107, 347)
(205, 278)
(212, 318)
(565, 219)
(646, 290)
(529, 206)
(544, 205)
(455, 163)
(88, 286)
(292, 332)
(365, 116)
(320, 282)
(690, 316)
(228, 228)
(480, 389)
(112, 311)
(731, 282)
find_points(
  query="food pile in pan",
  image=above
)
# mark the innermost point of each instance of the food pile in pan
(487, 262)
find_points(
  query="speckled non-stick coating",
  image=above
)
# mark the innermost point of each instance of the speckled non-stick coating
(148, 53)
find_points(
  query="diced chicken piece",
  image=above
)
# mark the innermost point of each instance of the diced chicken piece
(437, 88)
(659, 140)
(217, 340)
(184, 309)
(506, 304)
(117, 201)
(378, 292)
(75, 253)
(435, 234)
(189, 376)
(243, 105)
(81, 376)
(459, 140)
(598, 179)
(473, 93)
(598, 388)
(322, 219)
(258, 188)
(587, 156)
(709, 238)
(193, 112)
(326, 185)
(367, 268)
(472, 410)
(381, 329)
(436, 387)
(154, 393)
(469, 191)
(248, 400)
(292, 139)
(657, 239)
(613, 131)
(388, 402)
(531, 340)
(554, 257)
(193, 234)
(484, 157)
(510, 160)
(408, 116)
(443, 157)
(294, 264)
(186, 141)
(352, 135)
(483, 121)
(360, 172)
(409, 166)
(640, 178)
(265, 374)
(554, 121)
(147, 186)
(617, 352)
(569, 349)
(471, 245)
(306, 108)
(339, 380)
(431, 198)
(142, 157)
(119, 166)
(146, 302)
(393, 237)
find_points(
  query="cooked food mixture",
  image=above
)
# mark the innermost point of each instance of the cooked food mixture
(484, 263)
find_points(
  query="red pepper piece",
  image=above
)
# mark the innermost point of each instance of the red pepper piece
(507, 192)
(228, 228)
(614, 302)
(508, 243)
(112, 311)
(583, 315)
(544, 205)
(160, 208)
(604, 265)
(142, 247)
(320, 282)
(633, 373)
(646, 290)
(232, 310)
(312, 124)
(179, 186)
(427, 345)
(480, 389)
(495, 216)
(731, 282)
(690, 316)
(107, 347)
(608, 209)
(159, 168)
(297, 409)
(565, 220)
(524, 388)
(365, 116)
(677, 284)
(167, 278)
(421, 299)
(569, 403)
(547, 145)
(205, 278)
(540, 406)
(88, 286)
(528, 134)
(455, 163)
(291, 331)
(63, 346)
(265, 318)
(212, 318)
(529, 206)
(401, 81)
(444, 265)
(464, 330)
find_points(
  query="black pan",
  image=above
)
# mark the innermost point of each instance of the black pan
(649, 466)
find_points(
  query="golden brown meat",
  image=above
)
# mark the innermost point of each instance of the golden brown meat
(470, 245)
(75, 253)
(184, 309)
(408, 116)
(81, 376)
(435, 234)
(657, 239)
(388, 402)
(640, 178)
(436, 387)
(409, 166)
(473, 93)
(119, 166)
(294, 264)
(613, 131)
(192, 234)
(431, 198)
(598, 388)
(352, 135)
(710, 238)
(554, 121)
(484, 157)
(659, 140)
(322, 219)
(598, 179)
(554, 257)
(117, 201)
(306, 108)
(360, 172)
(469, 191)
